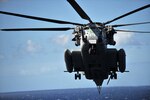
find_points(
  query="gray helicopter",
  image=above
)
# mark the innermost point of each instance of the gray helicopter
(95, 60)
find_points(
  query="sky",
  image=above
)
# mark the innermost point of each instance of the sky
(35, 60)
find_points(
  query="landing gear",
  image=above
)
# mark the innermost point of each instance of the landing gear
(113, 75)
(77, 76)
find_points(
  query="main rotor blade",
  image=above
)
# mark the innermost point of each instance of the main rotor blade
(129, 13)
(39, 18)
(133, 31)
(38, 29)
(120, 25)
(79, 10)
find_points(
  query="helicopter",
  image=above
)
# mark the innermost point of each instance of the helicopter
(95, 59)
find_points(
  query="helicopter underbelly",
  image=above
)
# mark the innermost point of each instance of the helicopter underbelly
(93, 64)
(97, 65)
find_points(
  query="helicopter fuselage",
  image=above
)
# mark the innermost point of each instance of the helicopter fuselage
(95, 59)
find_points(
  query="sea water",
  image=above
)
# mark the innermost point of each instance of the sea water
(107, 93)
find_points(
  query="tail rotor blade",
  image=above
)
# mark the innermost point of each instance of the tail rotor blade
(99, 89)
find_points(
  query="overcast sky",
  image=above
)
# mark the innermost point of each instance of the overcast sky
(35, 60)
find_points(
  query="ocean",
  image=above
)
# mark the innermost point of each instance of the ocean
(107, 93)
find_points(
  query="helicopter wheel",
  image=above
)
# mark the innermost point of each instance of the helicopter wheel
(77, 76)
(68, 60)
(121, 60)
(115, 75)
(111, 76)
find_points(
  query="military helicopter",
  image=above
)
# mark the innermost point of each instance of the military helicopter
(96, 60)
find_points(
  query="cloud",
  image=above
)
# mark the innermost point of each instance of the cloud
(35, 71)
(60, 40)
(27, 48)
(123, 37)
(31, 47)
(130, 39)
